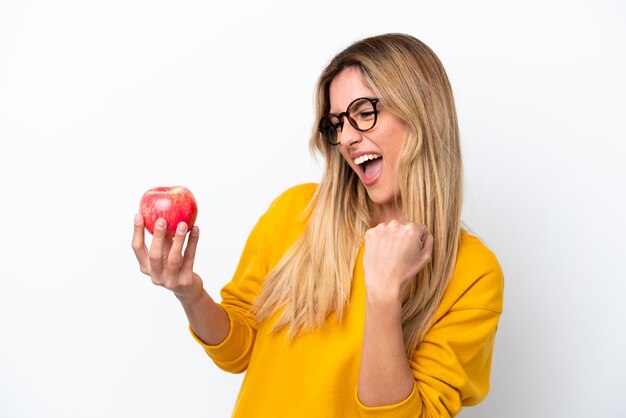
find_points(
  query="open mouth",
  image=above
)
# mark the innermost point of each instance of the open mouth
(370, 165)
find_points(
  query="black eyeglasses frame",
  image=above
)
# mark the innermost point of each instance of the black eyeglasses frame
(326, 128)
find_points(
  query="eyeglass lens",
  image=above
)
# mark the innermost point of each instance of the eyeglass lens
(361, 114)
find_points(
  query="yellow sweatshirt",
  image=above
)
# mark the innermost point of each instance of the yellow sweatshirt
(316, 375)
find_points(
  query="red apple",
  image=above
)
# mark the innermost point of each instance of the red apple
(174, 204)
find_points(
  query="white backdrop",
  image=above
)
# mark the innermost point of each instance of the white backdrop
(101, 100)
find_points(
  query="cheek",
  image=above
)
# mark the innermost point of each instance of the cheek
(394, 143)
(392, 147)
(345, 155)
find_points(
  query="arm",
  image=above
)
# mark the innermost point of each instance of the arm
(452, 365)
(385, 376)
(394, 253)
(207, 319)
(232, 350)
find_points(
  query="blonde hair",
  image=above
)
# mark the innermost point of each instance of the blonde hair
(313, 278)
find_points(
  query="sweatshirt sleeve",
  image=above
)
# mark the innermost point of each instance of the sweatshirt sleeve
(273, 234)
(233, 353)
(452, 365)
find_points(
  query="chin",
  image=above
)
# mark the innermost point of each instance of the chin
(380, 197)
(385, 199)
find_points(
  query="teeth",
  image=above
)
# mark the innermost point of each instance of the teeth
(366, 157)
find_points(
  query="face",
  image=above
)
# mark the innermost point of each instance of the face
(372, 154)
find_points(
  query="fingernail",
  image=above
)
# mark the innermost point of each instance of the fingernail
(138, 219)
(181, 228)
(195, 231)
(160, 223)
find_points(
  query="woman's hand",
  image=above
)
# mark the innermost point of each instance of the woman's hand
(394, 253)
(165, 262)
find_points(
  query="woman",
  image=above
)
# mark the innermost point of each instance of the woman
(361, 296)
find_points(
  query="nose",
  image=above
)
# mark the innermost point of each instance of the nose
(349, 135)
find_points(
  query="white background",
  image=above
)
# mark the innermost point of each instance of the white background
(101, 100)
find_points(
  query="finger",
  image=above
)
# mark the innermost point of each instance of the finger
(422, 232)
(175, 257)
(155, 253)
(427, 248)
(190, 251)
(167, 246)
(139, 245)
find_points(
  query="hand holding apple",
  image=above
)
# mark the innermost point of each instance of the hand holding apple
(168, 261)
(174, 204)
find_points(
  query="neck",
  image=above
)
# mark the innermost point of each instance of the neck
(388, 212)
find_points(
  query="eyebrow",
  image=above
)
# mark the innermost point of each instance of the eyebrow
(330, 112)
(338, 113)
(353, 100)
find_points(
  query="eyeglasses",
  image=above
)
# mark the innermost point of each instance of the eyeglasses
(361, 114)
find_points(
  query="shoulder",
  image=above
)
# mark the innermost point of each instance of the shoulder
(295, 198)
(477, 280)
(286, 215)
(473, 255)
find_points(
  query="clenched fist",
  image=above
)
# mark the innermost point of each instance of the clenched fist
(394, 253)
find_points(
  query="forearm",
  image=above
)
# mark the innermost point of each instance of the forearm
(207, 319)
(385, 377)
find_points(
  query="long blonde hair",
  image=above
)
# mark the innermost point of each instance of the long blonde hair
(313, 278)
